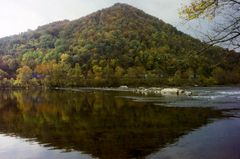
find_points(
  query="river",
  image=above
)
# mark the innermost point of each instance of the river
(86, 124)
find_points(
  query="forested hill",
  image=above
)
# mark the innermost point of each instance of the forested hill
(111, 47)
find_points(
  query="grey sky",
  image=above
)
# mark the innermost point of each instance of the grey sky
(19, 15)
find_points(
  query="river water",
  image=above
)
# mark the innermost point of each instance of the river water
(89, 124)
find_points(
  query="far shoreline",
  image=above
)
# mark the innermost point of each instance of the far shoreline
(113, 88)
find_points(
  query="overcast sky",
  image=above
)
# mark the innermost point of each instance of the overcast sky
(20, 15)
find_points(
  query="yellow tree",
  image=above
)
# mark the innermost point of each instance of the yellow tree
(24, 75)
(65, 58)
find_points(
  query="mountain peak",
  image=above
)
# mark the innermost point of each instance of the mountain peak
(123, 5)
(121, 12)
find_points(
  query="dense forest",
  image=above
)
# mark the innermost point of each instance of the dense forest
(120, 45)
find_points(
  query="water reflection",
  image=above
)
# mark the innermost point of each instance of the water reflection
(96, 123)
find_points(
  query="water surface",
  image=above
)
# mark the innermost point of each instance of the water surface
(111, 124)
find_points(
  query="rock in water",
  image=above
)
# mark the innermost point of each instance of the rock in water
(171, 91)
(123, 87)
(175, 91)
(162, 91)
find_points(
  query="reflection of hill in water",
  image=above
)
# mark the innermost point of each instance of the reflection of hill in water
(96, 123)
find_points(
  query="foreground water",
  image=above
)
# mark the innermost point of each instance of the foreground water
(119, 125)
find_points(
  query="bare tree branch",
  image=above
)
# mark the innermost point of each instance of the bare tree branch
(225, 14)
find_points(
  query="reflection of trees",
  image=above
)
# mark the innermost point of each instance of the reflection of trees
(97, 123)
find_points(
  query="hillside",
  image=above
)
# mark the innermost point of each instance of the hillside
(111, 47)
